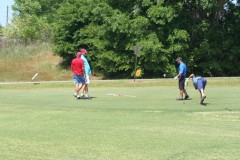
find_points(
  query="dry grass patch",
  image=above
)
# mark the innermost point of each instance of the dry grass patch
(21, 65)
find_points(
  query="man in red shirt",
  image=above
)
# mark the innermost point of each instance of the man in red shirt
(77, 67)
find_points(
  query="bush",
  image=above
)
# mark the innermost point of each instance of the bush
(110, 36)
(28, 29)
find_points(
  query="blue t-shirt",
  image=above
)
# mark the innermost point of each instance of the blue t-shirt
(194, 80)
(86, 65)
(182, 68)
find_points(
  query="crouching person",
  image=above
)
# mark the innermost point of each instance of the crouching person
(199, 83)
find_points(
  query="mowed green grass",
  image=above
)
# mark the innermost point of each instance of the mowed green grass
(144, 122)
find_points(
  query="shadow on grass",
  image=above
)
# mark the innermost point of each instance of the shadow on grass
(184, 99)
(227, 109)
(205, 104)
(90, 98)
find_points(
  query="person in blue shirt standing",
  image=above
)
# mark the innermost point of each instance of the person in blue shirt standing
(182, 71)
(199, 83)
(87, 73)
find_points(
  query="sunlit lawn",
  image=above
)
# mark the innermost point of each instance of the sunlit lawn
(143, 121)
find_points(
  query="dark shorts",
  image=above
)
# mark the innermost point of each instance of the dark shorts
(201, 83)
(181, 83)
(78, 79)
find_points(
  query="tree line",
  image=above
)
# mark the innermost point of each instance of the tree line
(205, 33)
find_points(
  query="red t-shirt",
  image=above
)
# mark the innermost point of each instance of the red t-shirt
(77, 66)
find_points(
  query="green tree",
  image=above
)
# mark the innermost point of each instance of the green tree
(204, 33)
(111, 35)
(208, 25)
(28, 29)
(230, 47)
(39, 8)
(32, 20)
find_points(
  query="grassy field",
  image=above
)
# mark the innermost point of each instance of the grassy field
(144, 122)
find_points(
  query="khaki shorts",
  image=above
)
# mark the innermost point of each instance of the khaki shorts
(87, 79)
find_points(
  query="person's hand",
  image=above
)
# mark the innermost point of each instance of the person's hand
(176, 77)
(187, 79)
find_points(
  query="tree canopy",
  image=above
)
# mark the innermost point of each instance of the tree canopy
(32, 20)
(204, 33)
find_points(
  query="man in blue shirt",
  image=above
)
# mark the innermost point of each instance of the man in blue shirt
(199, 83)
(182, 71)
(87, 73)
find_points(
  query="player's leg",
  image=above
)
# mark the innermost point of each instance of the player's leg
(201, 85)
(200, 96)
(76, 82)
(84, 92)
(80, 83)
(76, 90)
(181, 94)
(184, 91)
(182, 88)
(186, 95)
(86, 87)
(83, 85)
(204, 82)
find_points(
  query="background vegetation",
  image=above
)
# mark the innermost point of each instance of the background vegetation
(204, 33)
(19, 62)
(1, 30)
